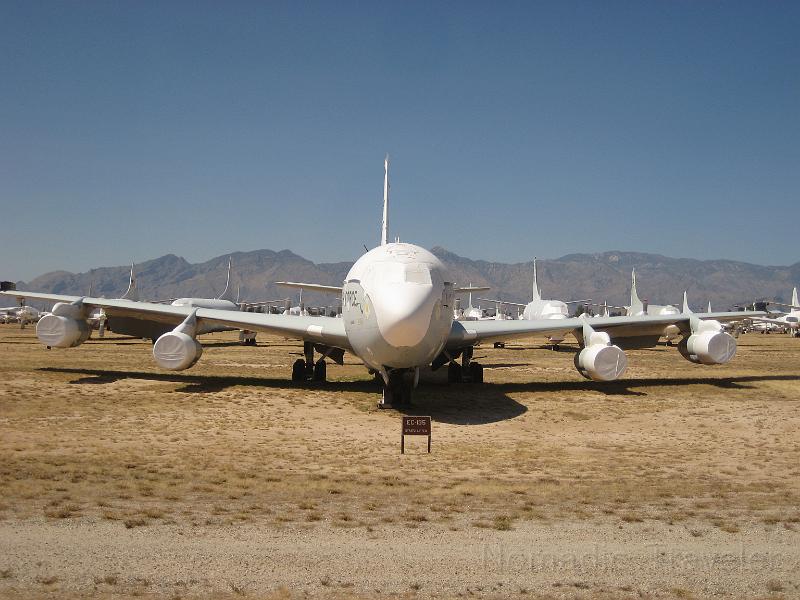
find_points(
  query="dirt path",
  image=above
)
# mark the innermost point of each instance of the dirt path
(563, 559)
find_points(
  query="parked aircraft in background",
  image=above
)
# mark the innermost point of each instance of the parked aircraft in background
(538, 308)
(23, 314)
(470, 313)
(397, 317)
(789, 322)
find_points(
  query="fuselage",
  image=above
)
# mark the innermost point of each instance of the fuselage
(397, 306)
(546, 309)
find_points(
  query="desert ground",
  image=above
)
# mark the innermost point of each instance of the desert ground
(227, 480)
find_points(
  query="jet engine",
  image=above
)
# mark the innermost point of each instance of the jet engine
(708, 344)
(64, 327)
(599, 359)
(178, 349)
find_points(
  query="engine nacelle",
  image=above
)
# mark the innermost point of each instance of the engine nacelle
(62, 332)
(708, 347)
(64, 327)
(176, 351)
(601, 362)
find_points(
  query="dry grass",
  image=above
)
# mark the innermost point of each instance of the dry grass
(97, 431)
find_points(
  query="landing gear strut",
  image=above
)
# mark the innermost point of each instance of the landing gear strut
(399, 391)
(467, 370)
(305, 369)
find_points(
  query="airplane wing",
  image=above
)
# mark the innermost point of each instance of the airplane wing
(326, 330)
(313, 287)
(632, 332)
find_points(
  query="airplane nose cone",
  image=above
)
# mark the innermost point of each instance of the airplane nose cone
(403, 313)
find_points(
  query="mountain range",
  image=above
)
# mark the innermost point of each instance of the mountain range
(602, 277)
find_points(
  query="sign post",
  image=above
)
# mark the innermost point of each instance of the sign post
(415, 426)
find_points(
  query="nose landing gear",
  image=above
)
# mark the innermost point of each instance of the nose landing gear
(399, 390)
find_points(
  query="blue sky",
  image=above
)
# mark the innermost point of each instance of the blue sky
(129, 130)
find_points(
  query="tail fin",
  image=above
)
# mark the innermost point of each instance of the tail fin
(709, 307)
(133, 291)
(686, 310)
(537, 293)
(636, 305)
(227, 289)
(385, 224)
(795, 305)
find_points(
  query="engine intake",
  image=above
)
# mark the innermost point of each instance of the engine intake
(708, 348)
(178, 349)
(601, 363)
(708, 344)
(600, 360)
(64, 327)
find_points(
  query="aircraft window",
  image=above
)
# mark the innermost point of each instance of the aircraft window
(399, 273)
(389, 272)
(418, 274)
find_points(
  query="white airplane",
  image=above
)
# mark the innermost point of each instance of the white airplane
(397, 304)
(789, 322)
(538, 308)
(24, 315)
(152, 330)
(638, 308)
(470, 313)
(98, 319)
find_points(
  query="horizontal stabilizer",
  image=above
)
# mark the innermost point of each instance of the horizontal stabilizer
(464, 290)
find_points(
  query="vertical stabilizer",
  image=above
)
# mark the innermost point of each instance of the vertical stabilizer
(385, 224)
(636, 307)
(686, 310)
(709, 307)
(537, 293)
(133, 291)
(227, 290)
(795, 305)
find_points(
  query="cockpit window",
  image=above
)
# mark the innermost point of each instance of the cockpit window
(417, 273)
(388, 272)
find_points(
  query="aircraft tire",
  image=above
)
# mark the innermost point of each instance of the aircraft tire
(454, 373)
(320, 370)
(476, 372)
(299, 370)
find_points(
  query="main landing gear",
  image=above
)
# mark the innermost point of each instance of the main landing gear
(467, 371)
(305, 369)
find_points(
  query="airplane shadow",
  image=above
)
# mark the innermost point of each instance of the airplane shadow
(459, 404)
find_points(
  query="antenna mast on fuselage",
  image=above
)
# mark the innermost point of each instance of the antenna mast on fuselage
(385, 225)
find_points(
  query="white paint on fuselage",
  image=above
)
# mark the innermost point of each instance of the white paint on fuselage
(397, 297)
